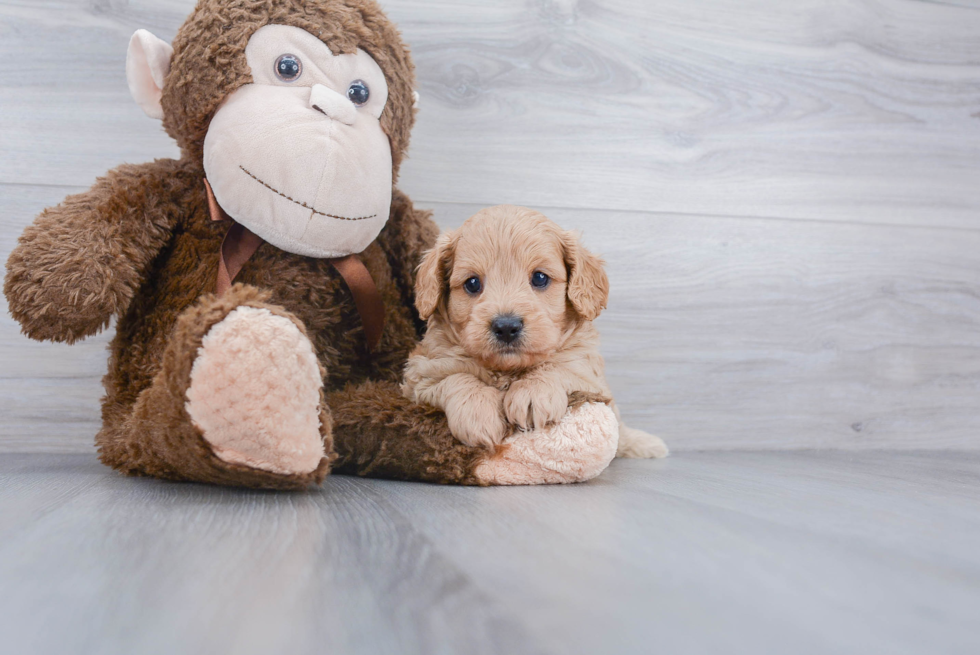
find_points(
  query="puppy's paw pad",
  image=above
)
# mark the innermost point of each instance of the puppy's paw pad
(255, 393)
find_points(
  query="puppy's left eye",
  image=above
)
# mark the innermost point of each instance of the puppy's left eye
(472, 286)
(539, 280)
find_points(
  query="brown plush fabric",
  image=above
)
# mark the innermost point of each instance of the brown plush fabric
(156, 436)
(83, 261)
(308, 289)
(368, 416)
(140, 246)
(578, 398)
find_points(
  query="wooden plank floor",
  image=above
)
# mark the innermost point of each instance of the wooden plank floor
(757, 553)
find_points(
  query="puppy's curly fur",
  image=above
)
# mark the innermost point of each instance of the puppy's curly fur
(510, 298)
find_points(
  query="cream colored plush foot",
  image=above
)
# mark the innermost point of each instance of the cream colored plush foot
(638, 444)
(255, 393)
(578, 448)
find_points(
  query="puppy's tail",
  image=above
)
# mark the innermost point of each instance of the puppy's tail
(639, 444)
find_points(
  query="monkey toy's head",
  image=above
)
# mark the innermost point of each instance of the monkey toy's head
(299, 110)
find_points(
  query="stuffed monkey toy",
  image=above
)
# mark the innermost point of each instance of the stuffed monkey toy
(263, 284)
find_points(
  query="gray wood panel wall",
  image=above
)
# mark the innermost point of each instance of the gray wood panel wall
(787, 194)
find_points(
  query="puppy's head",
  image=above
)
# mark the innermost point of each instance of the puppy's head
(509, 285)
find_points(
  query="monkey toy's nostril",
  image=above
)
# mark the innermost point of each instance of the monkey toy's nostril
(507, 328)
(333, 105)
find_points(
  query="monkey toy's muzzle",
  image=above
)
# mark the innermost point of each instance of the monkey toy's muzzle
(300, 167)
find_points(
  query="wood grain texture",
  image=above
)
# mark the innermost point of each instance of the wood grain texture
(855, 111)
(704, 552)
(858, 111)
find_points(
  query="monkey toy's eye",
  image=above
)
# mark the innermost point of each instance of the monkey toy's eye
(289, 68)
(358, 92)
(539, 280)
(472, 286)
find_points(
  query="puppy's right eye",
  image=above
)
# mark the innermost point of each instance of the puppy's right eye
(472, 286)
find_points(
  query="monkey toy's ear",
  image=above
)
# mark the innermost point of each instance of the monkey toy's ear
(147, 65)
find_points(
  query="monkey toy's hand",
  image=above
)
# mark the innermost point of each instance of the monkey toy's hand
(80, 262)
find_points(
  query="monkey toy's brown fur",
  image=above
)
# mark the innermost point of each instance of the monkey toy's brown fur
(140, 246)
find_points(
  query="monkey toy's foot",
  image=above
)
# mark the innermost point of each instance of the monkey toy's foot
(255, 393)
(237, 400)
(577, 449)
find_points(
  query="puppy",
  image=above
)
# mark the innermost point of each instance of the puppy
(510, 298)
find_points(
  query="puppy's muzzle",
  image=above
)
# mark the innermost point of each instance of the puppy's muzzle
(507, 328)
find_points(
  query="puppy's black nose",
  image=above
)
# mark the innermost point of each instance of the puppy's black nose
(507, 328)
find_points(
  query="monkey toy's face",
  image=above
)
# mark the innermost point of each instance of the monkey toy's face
(298, 156)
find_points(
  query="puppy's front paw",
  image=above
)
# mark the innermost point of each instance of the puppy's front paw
(534, 404)
(477, 419)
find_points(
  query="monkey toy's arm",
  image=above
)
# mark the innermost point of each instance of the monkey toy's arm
(80, 263)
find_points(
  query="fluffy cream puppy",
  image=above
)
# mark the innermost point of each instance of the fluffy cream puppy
(510, 298)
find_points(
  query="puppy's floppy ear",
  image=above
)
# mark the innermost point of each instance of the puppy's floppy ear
(588, 284)
(432, 280)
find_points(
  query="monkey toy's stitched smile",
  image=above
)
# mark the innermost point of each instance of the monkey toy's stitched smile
(312, 183)
(302, 204)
